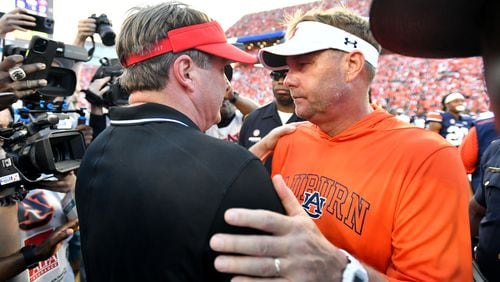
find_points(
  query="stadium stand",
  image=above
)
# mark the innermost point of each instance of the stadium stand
(401, 82)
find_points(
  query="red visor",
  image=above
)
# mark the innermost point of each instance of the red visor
(207, 37)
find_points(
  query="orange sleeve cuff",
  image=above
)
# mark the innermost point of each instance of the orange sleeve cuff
(469, 151)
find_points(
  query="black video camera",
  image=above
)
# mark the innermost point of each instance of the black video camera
(36, 149)
(116, 95)
(103, 28)
(61, 79)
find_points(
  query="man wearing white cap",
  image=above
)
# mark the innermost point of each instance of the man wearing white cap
(366, 191)
(451, 123)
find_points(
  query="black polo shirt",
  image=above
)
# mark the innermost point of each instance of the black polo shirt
(151, 191)
(259, 123)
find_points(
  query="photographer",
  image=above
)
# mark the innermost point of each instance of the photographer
(38, 214)
(98, 118)
(13, 261)
(42, 210)
(100, 84)
(104, 92)
(19, 261)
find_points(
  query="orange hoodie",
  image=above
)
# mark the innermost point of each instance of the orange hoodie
(393, 195)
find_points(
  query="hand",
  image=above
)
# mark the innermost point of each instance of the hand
(99, 87)
(50, 245)
(265, 147)
(88, 132)
(14, 20)
(24, 87)
(303, 252)
(86, 28)
(65, 183)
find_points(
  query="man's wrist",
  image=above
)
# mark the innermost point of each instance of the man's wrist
(29, 255)
(354, 271)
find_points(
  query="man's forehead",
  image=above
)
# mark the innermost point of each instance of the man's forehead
(313, 55)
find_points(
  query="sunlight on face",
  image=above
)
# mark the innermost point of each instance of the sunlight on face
(213, 90)
(316, 83)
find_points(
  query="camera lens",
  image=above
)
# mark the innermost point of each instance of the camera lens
(48, 23)
(103, 28)
(40, 45)
(107, 35)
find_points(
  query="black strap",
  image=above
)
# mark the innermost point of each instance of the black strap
(93, 98)
(91, 50)
(30, 258)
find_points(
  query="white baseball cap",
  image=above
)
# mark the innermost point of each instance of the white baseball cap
(313, 36)
(453, 96)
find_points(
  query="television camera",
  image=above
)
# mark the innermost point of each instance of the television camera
(36, 147)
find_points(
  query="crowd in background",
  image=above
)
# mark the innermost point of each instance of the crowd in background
(406, 87)
(401, 82)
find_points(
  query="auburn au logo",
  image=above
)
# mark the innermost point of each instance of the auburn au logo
(34, 211)
(313, 204)
(339, 201)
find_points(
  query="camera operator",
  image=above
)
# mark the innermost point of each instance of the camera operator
(19, 261)
(41, 212)
(13, 260)
(37, 215)
(104, 92)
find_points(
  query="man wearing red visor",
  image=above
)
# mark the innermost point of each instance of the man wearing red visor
(153, 188)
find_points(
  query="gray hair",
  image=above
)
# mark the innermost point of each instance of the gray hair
(142, 29)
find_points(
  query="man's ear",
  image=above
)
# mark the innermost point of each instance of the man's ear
(182, 69)
(354, 65)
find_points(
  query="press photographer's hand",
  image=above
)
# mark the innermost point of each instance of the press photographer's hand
(88, 132)
(98, 87)
(23, 87)
(16, 19)
(86, 28)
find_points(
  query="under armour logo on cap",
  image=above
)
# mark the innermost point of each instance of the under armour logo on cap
(312, 36)
(354, 43)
